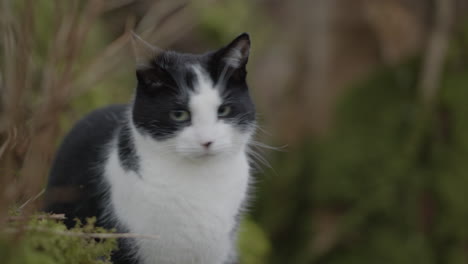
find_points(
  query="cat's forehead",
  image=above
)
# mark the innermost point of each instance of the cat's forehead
(182, 63)
(188, 70)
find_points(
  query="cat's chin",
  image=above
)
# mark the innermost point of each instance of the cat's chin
(205, 155)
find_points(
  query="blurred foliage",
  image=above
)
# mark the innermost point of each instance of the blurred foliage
(222, 21)
(253, 243)
(226, 19)
(387, 185)
(47, 241)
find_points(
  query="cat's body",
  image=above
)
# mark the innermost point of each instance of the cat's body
(172, 166)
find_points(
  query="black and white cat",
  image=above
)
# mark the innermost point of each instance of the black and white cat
(172, 164)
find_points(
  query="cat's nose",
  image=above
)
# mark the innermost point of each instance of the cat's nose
(207, 144)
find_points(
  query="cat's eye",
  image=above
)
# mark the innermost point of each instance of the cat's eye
(179, 115)
(224, 110)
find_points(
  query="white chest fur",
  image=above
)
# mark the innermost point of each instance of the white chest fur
(190, 207)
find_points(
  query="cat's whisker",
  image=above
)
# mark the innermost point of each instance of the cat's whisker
(259, 128)
(266, 146)
(258, 161)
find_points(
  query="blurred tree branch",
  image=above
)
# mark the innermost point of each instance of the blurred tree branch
(436, 51)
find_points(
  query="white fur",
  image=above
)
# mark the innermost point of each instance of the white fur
(185, 195)
(234, 57)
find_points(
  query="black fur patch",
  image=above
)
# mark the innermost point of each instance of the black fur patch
(126, 148)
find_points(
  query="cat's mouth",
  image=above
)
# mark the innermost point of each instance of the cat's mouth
(200, 155)
(206, 154)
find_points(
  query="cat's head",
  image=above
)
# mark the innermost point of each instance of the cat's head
(194, 105)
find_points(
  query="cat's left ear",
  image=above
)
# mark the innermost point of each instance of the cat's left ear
(143, 51)
(236, 53)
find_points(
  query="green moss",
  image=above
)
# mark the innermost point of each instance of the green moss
(47, 241)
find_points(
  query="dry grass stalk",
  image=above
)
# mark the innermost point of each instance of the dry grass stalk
(67, 46)
(40, 217)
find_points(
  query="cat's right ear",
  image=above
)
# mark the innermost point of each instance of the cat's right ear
(236, 53)
(143, 51)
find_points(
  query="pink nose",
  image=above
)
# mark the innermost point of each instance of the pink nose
(207, 144)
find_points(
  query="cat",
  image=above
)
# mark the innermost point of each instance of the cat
(172, 164)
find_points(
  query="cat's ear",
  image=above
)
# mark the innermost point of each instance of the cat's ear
(236, 53)
(143, 51)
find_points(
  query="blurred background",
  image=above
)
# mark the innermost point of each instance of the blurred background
(366, 102)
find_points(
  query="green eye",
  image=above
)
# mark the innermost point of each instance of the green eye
(224, 110)
(180, 115)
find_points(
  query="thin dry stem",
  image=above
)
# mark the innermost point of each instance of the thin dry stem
(40, 217)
